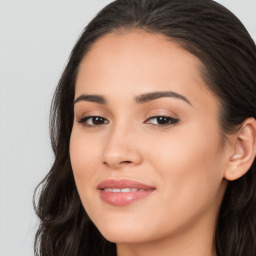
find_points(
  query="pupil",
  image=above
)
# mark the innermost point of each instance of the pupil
(98, 120)
(162, 120)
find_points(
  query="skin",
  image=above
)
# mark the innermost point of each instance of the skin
(185, 161)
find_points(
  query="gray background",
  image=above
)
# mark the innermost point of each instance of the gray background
(35, 41)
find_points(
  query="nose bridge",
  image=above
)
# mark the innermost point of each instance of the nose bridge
(120, 145)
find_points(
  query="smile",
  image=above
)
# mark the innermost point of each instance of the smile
(123, 192)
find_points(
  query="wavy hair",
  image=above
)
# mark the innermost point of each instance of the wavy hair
(228, 54)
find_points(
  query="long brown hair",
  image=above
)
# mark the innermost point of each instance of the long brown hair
(228, 53)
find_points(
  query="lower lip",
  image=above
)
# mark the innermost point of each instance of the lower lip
(123, 198)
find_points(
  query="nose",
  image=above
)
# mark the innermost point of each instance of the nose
(121, 149)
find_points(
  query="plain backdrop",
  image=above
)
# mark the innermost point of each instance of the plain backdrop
(36, 38)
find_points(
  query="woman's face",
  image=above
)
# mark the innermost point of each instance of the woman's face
(146, 147)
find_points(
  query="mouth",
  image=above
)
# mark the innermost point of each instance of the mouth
(123, 192)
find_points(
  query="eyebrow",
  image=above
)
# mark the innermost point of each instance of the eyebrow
(143, 98)
(146, 97)
(91, 98)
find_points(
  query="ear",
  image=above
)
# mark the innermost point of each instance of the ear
(243, 150)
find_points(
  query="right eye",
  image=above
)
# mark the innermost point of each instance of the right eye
(93, 121)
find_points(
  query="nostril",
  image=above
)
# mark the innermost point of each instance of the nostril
(126, 162)
(117, 164)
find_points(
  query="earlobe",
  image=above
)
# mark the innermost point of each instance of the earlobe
(244, 151)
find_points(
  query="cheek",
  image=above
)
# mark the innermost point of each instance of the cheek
(189, 168)
(77, 155)
(83, 162)
(190, 163)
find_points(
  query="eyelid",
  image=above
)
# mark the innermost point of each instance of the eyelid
(171, 122)
(80, 113)
(86, 118)
(170, 118)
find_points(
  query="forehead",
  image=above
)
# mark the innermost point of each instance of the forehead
(141, 49)
(135, 62)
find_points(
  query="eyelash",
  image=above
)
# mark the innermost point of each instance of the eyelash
(86, 118)
(170, 121)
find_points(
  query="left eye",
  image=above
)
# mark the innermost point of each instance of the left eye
(93, 121)
(161, 120)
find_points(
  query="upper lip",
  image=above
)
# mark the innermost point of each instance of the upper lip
(123, 183)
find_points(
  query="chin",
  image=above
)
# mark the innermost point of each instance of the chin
(128, 237)
(123, 224)
(128, 232)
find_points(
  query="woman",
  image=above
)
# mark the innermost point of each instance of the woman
(153, 130)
